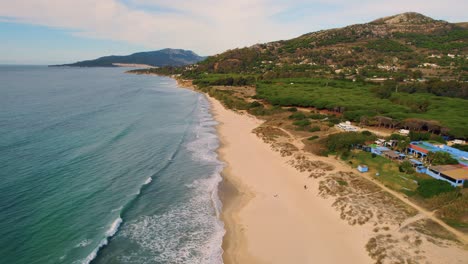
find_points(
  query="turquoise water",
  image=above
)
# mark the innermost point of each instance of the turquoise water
(105, 167)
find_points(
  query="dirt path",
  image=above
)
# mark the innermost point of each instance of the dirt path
(423, 213)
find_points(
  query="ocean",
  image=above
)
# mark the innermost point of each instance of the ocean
(100, 166)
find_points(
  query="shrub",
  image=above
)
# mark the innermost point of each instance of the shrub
(334, 120)
(298, 116)
(415, 136)
(441, 158)
(317, 116)
(346, 140)
(397, 137)
(314, 129)
(406, 167)
(292, 109)
(313, 137)
(255, 104)
(366, 133)
(301, 123)
(431, 187)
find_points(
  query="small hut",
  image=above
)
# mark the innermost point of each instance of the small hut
(362, 168)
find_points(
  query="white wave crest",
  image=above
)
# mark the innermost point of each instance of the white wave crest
(109, 233)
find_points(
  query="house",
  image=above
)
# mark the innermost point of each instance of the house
(457, 141)
(362, 168)
(456, 175)
(422, 148)
(415, 163)
(379, 150)
(391, 143)
(392, 155)
(380, 141)
(346, 126)
(404, 132)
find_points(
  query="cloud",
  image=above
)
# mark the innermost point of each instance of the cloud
(209, 26)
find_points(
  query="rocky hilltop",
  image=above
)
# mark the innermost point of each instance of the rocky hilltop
(394, 45)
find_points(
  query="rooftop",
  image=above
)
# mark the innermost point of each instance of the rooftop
(457, 174)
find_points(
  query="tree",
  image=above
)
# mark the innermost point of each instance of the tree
(403, 145)
(440, 158)
(406, 167)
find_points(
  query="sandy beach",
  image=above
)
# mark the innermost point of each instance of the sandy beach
(271, 217)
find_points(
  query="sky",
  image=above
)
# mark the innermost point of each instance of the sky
(62, 31)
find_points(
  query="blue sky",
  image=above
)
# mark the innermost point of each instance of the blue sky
(49, 32)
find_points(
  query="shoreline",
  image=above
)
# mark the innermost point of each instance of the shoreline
(253, 235)
(270, 218)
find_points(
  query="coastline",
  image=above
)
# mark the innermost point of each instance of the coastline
(270, 217)
(261, 226)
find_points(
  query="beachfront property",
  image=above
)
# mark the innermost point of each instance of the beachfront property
(422, 148)
(453, 174)
(456, 175)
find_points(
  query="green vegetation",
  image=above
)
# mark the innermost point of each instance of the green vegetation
(313, 138)
(406, 167)
(298, 116)
(437, 87)
(314, 129)
(226, 81)
(302, 123)
(446, 41)
(344, 142)
(461, 147)
(388, 171)
(432, 187)
(440, 158)
(387, 45)
(347, 97)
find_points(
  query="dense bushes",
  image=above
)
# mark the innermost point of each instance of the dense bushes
(461, 147)
(437, 87)
(387, 45)
(298, 116)
(314, 129)
(356, 101)
(406, 167)
(441, 158)
(302, 123)
(431, 187)
(227, 81)
(345, 141)
(446, 41)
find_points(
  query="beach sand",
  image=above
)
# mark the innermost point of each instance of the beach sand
(270, 217)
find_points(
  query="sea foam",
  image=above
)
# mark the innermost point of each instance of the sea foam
(190, 232)
(109, 233)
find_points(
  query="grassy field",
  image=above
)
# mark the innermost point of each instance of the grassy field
(388, 171)
(358, 99)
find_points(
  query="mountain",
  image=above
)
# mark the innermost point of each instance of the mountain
(401, 43)
(159, 58)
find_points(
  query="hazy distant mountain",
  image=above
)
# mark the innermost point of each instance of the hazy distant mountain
(158, 58)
